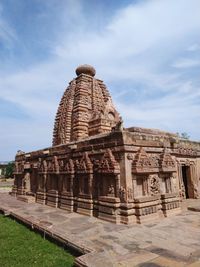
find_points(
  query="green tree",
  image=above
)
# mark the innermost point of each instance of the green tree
(3, 172)
(185, 136)
(9, 170)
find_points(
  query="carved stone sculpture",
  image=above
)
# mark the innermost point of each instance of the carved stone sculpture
(154, 184)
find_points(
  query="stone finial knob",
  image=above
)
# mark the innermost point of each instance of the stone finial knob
(85, 69)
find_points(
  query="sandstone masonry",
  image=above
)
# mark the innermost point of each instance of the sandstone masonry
(99, 168)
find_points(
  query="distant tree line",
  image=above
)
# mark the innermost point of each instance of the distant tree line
(7, 172)
(184, 135)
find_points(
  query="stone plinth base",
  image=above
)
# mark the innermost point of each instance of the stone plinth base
(95, 208)
(14, 191)
(52, 198)
(27, 199)
(147, 208)
(127, 213)
(41, 197)
(85, 205)
(170, 204)
(21, 191)
(109, 209)
(67, 201)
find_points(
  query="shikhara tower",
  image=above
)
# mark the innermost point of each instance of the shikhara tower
(86, 109)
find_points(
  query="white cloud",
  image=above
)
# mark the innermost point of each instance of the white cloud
(134, 30)
(7, 34)
(194, 47)
(186, 63)
(134, 53)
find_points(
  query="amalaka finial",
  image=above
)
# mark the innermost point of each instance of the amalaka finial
(85, 69)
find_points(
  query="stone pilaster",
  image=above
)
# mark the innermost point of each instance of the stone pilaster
(81, 107)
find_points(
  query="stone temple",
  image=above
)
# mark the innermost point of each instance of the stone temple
(99, 168)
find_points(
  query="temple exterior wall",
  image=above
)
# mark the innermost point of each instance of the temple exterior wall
(123, 177)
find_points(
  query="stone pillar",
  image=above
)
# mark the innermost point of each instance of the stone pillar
(67, 197)
(193, 188)
(64, 183)
(26, 183)
(180, 180)
(14, 187)
(42, 188)
(90, 179)
(71, 183)
(117, 184)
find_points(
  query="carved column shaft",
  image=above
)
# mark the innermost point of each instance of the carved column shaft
(117, 184)
(71, 183)
(90, 179)
(45, 183)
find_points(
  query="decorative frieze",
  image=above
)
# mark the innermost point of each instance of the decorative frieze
(108, 164)
(84, 165)
(167, 163)
(143, 163)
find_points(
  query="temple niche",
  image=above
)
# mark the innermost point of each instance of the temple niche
(97, 167)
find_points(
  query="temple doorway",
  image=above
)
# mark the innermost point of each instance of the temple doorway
(186, 180)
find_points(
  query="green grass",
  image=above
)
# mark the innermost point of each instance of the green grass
(21, 247)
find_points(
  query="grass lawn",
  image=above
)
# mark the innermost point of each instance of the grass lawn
(24, 248)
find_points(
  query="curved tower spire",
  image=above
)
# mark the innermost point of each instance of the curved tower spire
(85, 109)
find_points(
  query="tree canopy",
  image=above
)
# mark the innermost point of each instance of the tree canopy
(9, 170)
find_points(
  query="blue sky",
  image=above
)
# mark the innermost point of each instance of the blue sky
(146, 51)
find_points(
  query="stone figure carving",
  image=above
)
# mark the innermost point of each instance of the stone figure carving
(55, 164)
(154, 185)
(196, 192)
(130, 156)
(42, 165)
(69, 166)
(182, 191)
(50, 166)
(122, 194)
(130, 193)
(119, 126)
(61, 165)
(111, 190)
(26, 182)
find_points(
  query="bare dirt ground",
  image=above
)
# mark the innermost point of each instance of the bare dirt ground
(6, 185)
